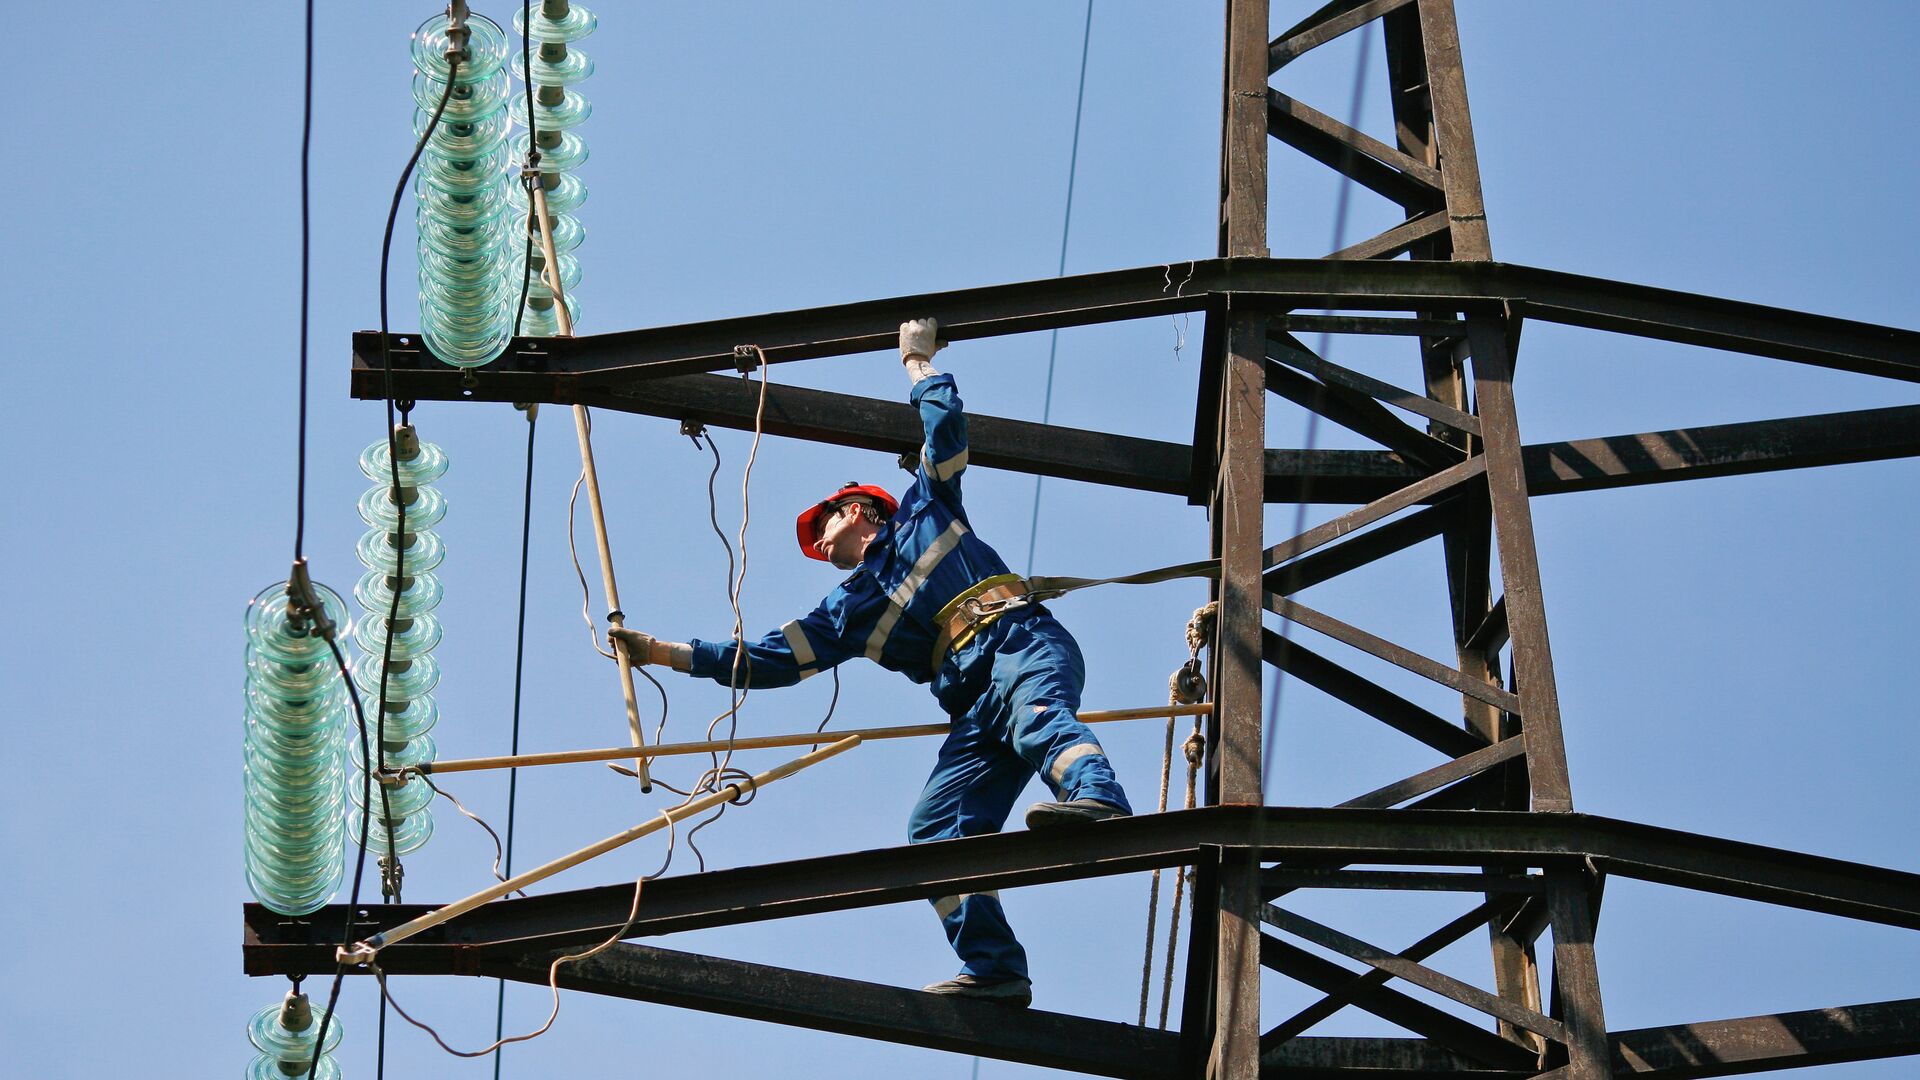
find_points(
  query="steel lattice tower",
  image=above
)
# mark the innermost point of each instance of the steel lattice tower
(1496, 821)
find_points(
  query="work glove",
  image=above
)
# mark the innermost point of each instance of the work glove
(919, 337)
(640, 646)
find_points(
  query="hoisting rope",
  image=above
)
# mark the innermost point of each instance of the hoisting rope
(1186, 688)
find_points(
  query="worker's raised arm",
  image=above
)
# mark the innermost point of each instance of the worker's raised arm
(943, 455)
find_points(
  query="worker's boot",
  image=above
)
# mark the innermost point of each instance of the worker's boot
(1013, 990)
(1048, 815)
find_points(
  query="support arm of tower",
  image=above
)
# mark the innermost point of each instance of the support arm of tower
(1326, 476)
(279, 945)
(560, 369)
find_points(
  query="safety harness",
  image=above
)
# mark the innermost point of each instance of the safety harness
(981, 604)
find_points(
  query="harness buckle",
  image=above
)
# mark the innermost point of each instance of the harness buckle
(977, 609)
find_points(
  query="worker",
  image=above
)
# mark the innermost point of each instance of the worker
(928, 598)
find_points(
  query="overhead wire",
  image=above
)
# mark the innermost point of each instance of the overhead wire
(519, 662)
(526, 513)
(529, 175)
(306, 270)
(1066, 225)
(393, 459)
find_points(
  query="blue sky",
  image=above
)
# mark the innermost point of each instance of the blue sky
(1733, 655)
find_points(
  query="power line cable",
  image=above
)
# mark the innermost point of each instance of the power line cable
(300, 482)
(306, 264)
(393, 461)
(519, 669)
(1066, 224)
(526, 515)
(526, 180)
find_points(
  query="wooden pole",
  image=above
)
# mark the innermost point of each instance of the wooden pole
(582, 430)
(363, 951)
(762, 742)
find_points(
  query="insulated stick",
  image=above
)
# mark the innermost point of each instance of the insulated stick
(615, 617)
(808, 738)
(363, 951)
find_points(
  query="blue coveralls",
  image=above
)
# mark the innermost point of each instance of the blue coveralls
(1012, 692)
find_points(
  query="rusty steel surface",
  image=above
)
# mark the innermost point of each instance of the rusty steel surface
(1319, 837)
(547, 369)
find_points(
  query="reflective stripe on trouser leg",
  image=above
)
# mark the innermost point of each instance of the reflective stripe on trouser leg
(1038, 673)
(970, 792)
(977, 928)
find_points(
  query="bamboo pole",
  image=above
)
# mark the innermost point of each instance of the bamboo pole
(762, 742)
(363, 951)
(615, 616)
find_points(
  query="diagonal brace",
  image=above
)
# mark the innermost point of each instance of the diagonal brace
(1416, 973)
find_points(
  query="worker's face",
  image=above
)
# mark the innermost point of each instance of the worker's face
(843, 538)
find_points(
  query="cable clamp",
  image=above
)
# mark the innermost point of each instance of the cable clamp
(746, 358)
(304, 609)
(391, 874)
(358, 954)
(693, 429)
(457, 31)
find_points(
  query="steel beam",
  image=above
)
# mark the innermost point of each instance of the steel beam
(1369, 697)
(1519, 568)
(1354, 154)
(557, 369)
(1234, 757)
(1324, 25)
(1764, 1043)
(1576, 978)
(849, 1007)
(1363, 1058)
(1441, 775)
(1458, 1035)
(1336, 375)
(1359, 550)
(1322, 837)
(1326, 476)
(1358, 413)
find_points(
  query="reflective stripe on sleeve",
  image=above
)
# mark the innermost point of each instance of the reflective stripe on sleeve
(898, 600)
(945, 470)
(798, 643)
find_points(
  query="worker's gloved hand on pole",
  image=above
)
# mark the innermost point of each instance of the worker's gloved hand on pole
(643, 648)
(919, 340)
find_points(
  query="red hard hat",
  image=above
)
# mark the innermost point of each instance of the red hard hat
(804, 525)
